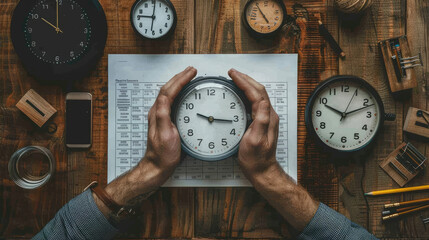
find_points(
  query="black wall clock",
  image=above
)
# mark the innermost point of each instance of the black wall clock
(344, 114)
(59, 40)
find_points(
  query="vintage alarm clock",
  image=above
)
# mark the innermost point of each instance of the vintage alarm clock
(211, 115)
(153, 19)
(59, 39)
(344, 115)
(264, 18)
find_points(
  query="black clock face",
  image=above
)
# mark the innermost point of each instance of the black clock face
(57, 31)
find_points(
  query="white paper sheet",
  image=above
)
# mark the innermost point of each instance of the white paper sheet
(134, 83)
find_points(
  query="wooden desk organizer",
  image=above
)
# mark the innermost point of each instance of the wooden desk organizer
(36, 108)
(416, 122)
(399, 64)
(397, 170)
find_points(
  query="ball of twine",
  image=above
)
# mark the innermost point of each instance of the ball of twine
(352, 6)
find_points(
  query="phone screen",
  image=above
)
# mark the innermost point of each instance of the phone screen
(78, 122)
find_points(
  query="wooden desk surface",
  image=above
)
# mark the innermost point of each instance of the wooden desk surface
(213, 26)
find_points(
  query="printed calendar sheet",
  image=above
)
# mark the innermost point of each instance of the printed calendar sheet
(134, 83)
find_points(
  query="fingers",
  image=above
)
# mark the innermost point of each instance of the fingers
(163, 110)
(261, 122)
(173, 87)
(254, 91)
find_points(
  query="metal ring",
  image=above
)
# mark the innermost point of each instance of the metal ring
(25, 180)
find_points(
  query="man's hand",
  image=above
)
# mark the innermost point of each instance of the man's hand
(162, 152)
(257, 158)
(257, 153)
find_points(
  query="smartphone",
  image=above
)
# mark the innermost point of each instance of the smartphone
(78, 120)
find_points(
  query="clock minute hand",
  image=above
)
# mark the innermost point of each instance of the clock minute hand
(348, 105)
(347, 113)
(263, 15)
(153, 15)
(222, 120)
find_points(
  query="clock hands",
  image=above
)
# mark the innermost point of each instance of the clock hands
(263, 15)
(153, 15)
(347, 113)
(344, 113)
(211, 118)
(52, 25)
(144, 16)
(57, 28)
(335, 110)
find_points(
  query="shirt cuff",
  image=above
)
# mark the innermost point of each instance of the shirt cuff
(329, 224)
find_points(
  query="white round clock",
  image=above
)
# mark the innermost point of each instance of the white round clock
(211, 115)
(153, 19)
(345, 113)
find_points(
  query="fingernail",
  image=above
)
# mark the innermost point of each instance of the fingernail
(187, 69)
(233, 70)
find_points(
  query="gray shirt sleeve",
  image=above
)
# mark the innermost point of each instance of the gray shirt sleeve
(78, 219)
(329, 224)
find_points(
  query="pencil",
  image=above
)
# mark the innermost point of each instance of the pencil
(327, 35)
(405, 212)
(406, 203)
(398, 210)
(397, 190)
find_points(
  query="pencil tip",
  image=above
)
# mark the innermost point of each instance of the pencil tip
(368, 194)
(342, 54)
(320, 22)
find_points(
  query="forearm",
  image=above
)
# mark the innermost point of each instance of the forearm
(292, 201)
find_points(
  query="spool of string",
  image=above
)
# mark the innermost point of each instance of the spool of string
(353, 6)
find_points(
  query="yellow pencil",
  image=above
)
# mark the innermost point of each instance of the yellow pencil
(397, 190)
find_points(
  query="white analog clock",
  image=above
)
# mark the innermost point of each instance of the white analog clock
(345, 113)
(153, 19)
(211, 115)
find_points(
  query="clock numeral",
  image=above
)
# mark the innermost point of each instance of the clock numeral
(146, 5)
(145, 30)
(45, 6)
(30, 30)
(166, 25)
(82, 16)
(232, 132)
(232, 105)
(153, 32)
(71, 54)
(356, 137)
(34, 16)
(140, 25)
(265, 3)
(57, 58)
(186, 119)
(43, 53)
(277, 11)
(210, 92)
(323, 100)
(344, 139)
(365, 102)
(81, 44)
(277, 18)
(365, 127)
(211, 145)
(33, 43)
(224, 142)
(344, 88)
(332, 134)
(166, 9)
(72, 7)
(190, 132)
(318, 113)
(189, 106)
(235, 118)
(332, 91)
(368, 114)
(197, 95)
(201, 140)
(322, 125)
(60, 2)
(85, 30)
(160, 5)
(168, 17)
(160, 31)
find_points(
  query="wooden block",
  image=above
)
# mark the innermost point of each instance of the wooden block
(407, 82)
(415, 124)
(36, 108)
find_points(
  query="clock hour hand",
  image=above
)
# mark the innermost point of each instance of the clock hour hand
(333, 109)
(52, 25)
(143, 16)
(263, 15)
(347, 113)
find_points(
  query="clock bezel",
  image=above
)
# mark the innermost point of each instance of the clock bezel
(69, 71)
(309, 110)
(256, 34)
(190, 87)
(166, 35)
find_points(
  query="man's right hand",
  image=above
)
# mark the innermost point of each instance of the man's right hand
(257, 153)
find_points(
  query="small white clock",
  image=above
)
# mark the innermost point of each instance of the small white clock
(153, 19)
(211, 115)
(345, 113)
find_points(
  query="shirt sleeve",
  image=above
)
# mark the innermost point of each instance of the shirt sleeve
(78, 219)
(329, 224)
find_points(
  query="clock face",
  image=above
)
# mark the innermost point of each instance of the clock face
(264, 16)
(345, 115)
(57, 31)
(153, 18)
(211, 119)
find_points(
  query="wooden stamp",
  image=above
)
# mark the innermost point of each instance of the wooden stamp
(417, 122)
(36, 108)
